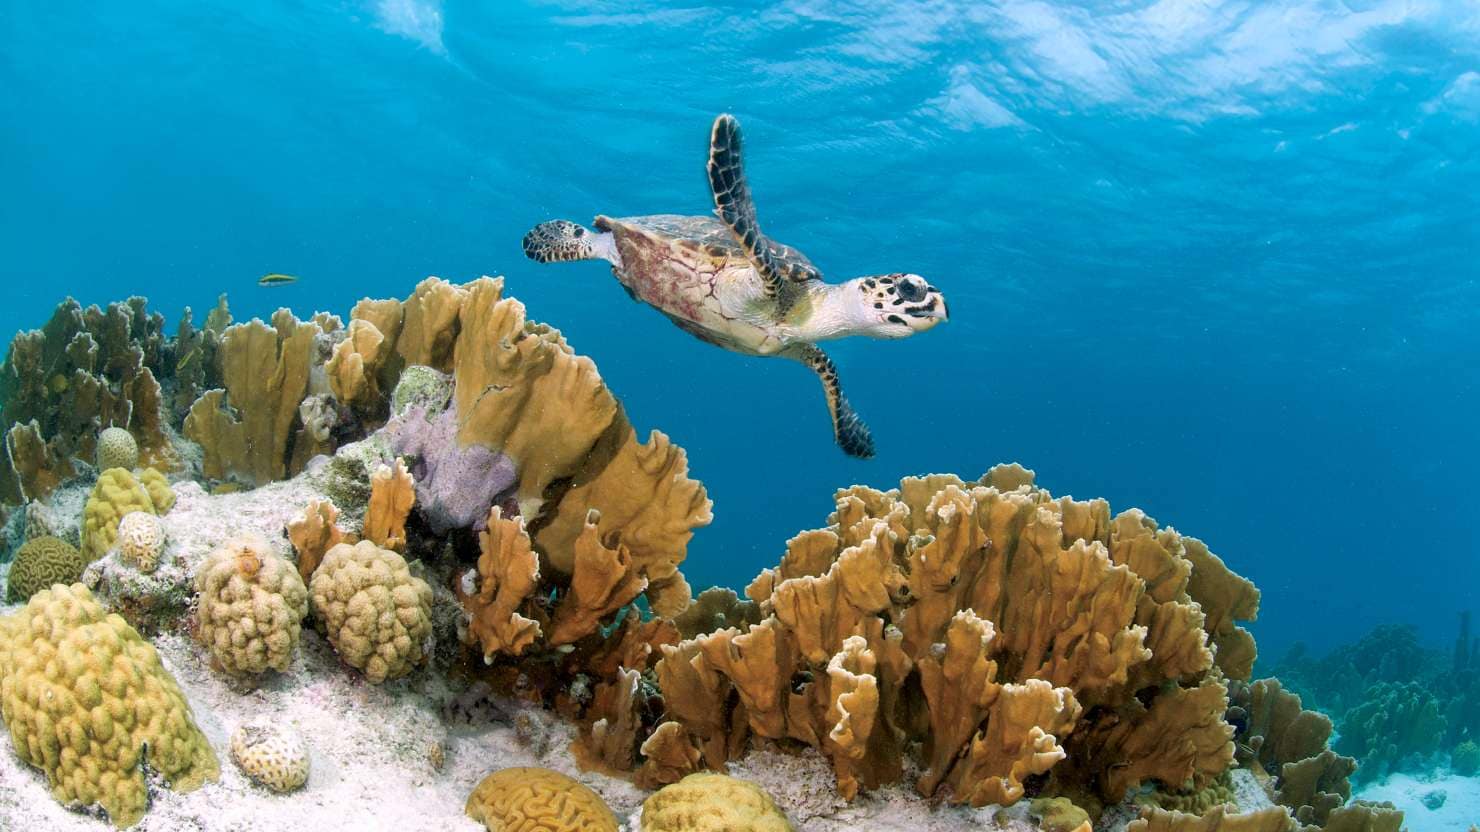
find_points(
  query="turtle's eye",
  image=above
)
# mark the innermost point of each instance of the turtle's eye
(912, 289)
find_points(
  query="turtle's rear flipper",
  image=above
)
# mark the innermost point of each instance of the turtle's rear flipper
(557, 241)
(851, 433)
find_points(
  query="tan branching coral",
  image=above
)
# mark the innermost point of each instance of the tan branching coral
(86, 698)
(314, 534)
(247, 428)
(1289, 743)
(1025, 618)
(538, 800)
(355, 364)
(84, 371)
(508, 572)
(392, 494)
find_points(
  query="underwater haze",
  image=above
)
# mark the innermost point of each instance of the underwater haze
(1217, 260)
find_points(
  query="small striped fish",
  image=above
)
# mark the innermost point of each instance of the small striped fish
(275, 279)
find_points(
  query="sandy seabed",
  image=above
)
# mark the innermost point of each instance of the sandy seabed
(374, 749)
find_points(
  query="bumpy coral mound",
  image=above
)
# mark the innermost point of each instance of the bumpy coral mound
(271, 755)
(251, 606)
(117, 493)
(712, 803)
(84, 697)
(63, 384)
(537, 800)
(117, 449)
(1008, 632)
(376, 614)
(140, 540)
(1059, 814)
(41, 562)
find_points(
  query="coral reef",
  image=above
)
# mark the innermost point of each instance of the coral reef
(392, 493)
(62, 385)
(250, 609)
(1395, 721)
(41, 562)
(1289, 743)
(707, 802)
(1059, 814)
(537, 800)
(375, 612)
(1465, 759)
(1218, 819)
(140, 540)
(314, 534)
(271, 755)
(455, 486)
(117, 449)
(85, 699)
(117, 493)
(937, 581)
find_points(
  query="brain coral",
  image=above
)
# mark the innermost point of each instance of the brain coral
(83, 695)
(707, 802)
(271, 755)
(140, 540)
(41, 562)
(538, 800)
(117, 449)
(117, 493)
(375, 612)
(251, 606)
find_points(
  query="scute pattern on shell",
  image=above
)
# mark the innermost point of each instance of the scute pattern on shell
(374, 611)
(140, 540)
(252, 603)
(538, 800)
(273, 756)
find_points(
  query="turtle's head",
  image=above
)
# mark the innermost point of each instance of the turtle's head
(897, 305)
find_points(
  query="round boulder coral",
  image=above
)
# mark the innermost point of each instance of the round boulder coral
(41, 562)
(117, 449)
(86, 699)
(271, 755)
(538, 800)
(117, 493)
(374, 611)
(252, 603)
(707, 802)
(140, 540)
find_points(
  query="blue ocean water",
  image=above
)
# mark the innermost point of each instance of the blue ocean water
(1217, 260)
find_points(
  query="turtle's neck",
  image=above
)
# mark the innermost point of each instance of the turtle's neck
(830, 310)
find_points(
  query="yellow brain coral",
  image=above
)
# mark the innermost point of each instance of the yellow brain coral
(538, 800)
(117, 493)
(707, 802)
(375, 612)
(251, 606)
(83, 696)
(41, 562)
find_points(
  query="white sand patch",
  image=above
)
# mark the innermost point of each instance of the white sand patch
(1460, 810)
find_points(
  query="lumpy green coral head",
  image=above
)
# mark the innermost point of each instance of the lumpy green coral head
(117, 449)
(41, 562)
(86, 700)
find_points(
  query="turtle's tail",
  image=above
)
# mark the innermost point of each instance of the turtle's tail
(557, 241)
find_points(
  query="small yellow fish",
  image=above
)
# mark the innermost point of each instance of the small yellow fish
(58, 384)
(186, 360)
(275, 279)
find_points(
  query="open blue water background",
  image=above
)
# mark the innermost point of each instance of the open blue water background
(1217, 260)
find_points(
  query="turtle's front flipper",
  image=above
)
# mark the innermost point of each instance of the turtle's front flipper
(850, 432)
(559, 240)
(733, 204)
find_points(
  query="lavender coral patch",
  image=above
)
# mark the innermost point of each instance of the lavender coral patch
(455, 486)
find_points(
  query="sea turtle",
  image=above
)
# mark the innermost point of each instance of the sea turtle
(722, 280)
